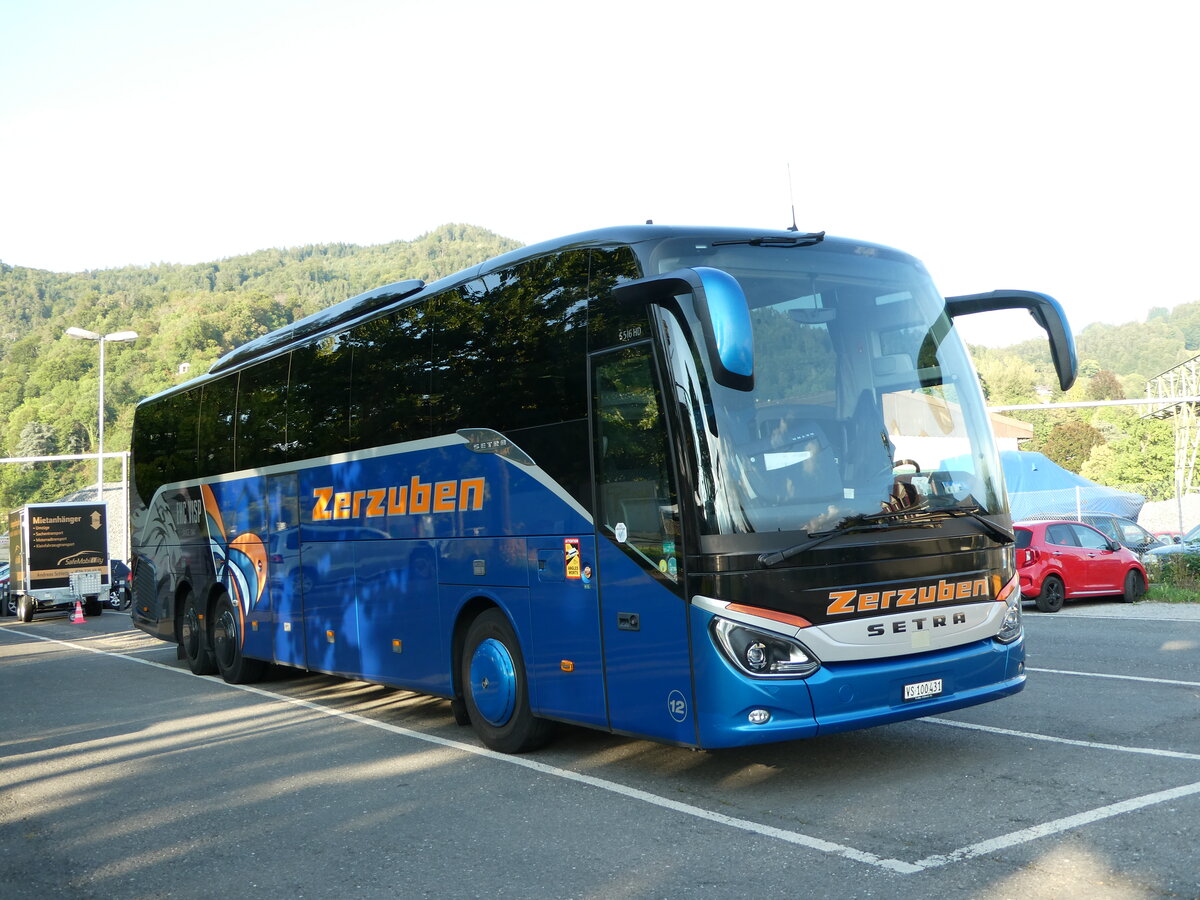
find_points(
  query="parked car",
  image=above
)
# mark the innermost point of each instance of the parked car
(1124, 531)
(1189, 543)
(119, 596)
(1169, 537)
(1062, 559)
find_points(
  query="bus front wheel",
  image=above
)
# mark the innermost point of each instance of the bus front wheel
(495, 688)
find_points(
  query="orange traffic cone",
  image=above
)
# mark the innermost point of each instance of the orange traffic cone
(77, 616)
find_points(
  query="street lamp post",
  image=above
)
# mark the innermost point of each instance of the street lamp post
(117, 336)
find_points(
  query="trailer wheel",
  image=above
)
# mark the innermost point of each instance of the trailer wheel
(24, 609)
(192, 640)
(227, 645)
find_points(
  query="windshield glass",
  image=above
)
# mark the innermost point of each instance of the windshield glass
(864, 398)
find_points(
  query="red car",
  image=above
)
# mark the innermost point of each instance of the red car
(1059, 559)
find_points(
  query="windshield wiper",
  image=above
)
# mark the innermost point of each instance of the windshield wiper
(913, 517)
(999, 532)
(796, 240)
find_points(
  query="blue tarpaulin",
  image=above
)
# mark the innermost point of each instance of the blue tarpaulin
(1038, 486)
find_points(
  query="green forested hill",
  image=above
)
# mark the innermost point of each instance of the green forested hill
(188, 315)
(183, 314)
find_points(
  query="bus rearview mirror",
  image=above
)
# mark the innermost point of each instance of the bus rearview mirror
(723, 312)
(1045, 311)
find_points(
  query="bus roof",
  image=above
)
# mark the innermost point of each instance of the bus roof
(377, 301)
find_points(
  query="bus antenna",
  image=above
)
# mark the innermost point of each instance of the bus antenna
(792, 198)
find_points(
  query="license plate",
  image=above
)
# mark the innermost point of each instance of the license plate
(923, 689)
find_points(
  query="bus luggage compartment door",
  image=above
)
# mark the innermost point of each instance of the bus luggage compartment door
(565, 658)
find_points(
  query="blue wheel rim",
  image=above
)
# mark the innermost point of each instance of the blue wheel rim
(493, 682)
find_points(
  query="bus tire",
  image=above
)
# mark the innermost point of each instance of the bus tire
(226, 636)
(24, 609)
(1050, 600)
(495, 687)
(458, 709)
(1135, 587)
(192, 640)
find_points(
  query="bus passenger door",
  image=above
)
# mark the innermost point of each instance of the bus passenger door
(643, 610)
(283, 569)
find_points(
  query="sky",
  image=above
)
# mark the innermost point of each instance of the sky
(1047, 145)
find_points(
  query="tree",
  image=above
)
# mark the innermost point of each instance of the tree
(1104, 385)
(1070, 444)
(37, 439)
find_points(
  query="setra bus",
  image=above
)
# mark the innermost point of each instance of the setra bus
(707, 486)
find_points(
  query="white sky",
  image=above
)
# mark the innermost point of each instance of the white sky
(1041, 145)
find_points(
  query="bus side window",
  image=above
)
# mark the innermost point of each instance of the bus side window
(218, 407)
(318, 399)
(639, 504)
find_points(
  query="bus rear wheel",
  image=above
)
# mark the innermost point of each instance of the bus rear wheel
(191, 638)
(227, 645)
(495, 687)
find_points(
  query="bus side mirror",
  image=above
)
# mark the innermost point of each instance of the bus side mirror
(722, 309)
(1045, 311)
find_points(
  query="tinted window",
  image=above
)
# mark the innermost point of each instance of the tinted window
(262, 414)
(318, 416)
(164, 442)
(638, 501)
(1062, 535)
(218, 406)
(1024, 537)
(390, 387)
(510, 352)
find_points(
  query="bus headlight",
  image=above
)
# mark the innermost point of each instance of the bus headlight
(1010, 627)
(763, 654)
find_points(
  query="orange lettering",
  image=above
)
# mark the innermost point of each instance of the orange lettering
(375, 506)
(341, 505)
(843, 602)
(418, 496)
(474, 487)
(444, 496)
(907, 597)
(397, 501)
(321, 510)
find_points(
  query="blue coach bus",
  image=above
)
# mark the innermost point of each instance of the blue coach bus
(707, 486)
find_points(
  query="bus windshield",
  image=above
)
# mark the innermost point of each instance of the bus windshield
(864, 400)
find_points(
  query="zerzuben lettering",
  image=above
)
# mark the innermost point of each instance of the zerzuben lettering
(415, 498)
(851, 601)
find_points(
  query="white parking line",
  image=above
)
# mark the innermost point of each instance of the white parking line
(895, 866)
(1195, 684)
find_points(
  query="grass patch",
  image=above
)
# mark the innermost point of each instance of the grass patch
(1176, 579)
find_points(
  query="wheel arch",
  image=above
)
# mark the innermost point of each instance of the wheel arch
(468, 613)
